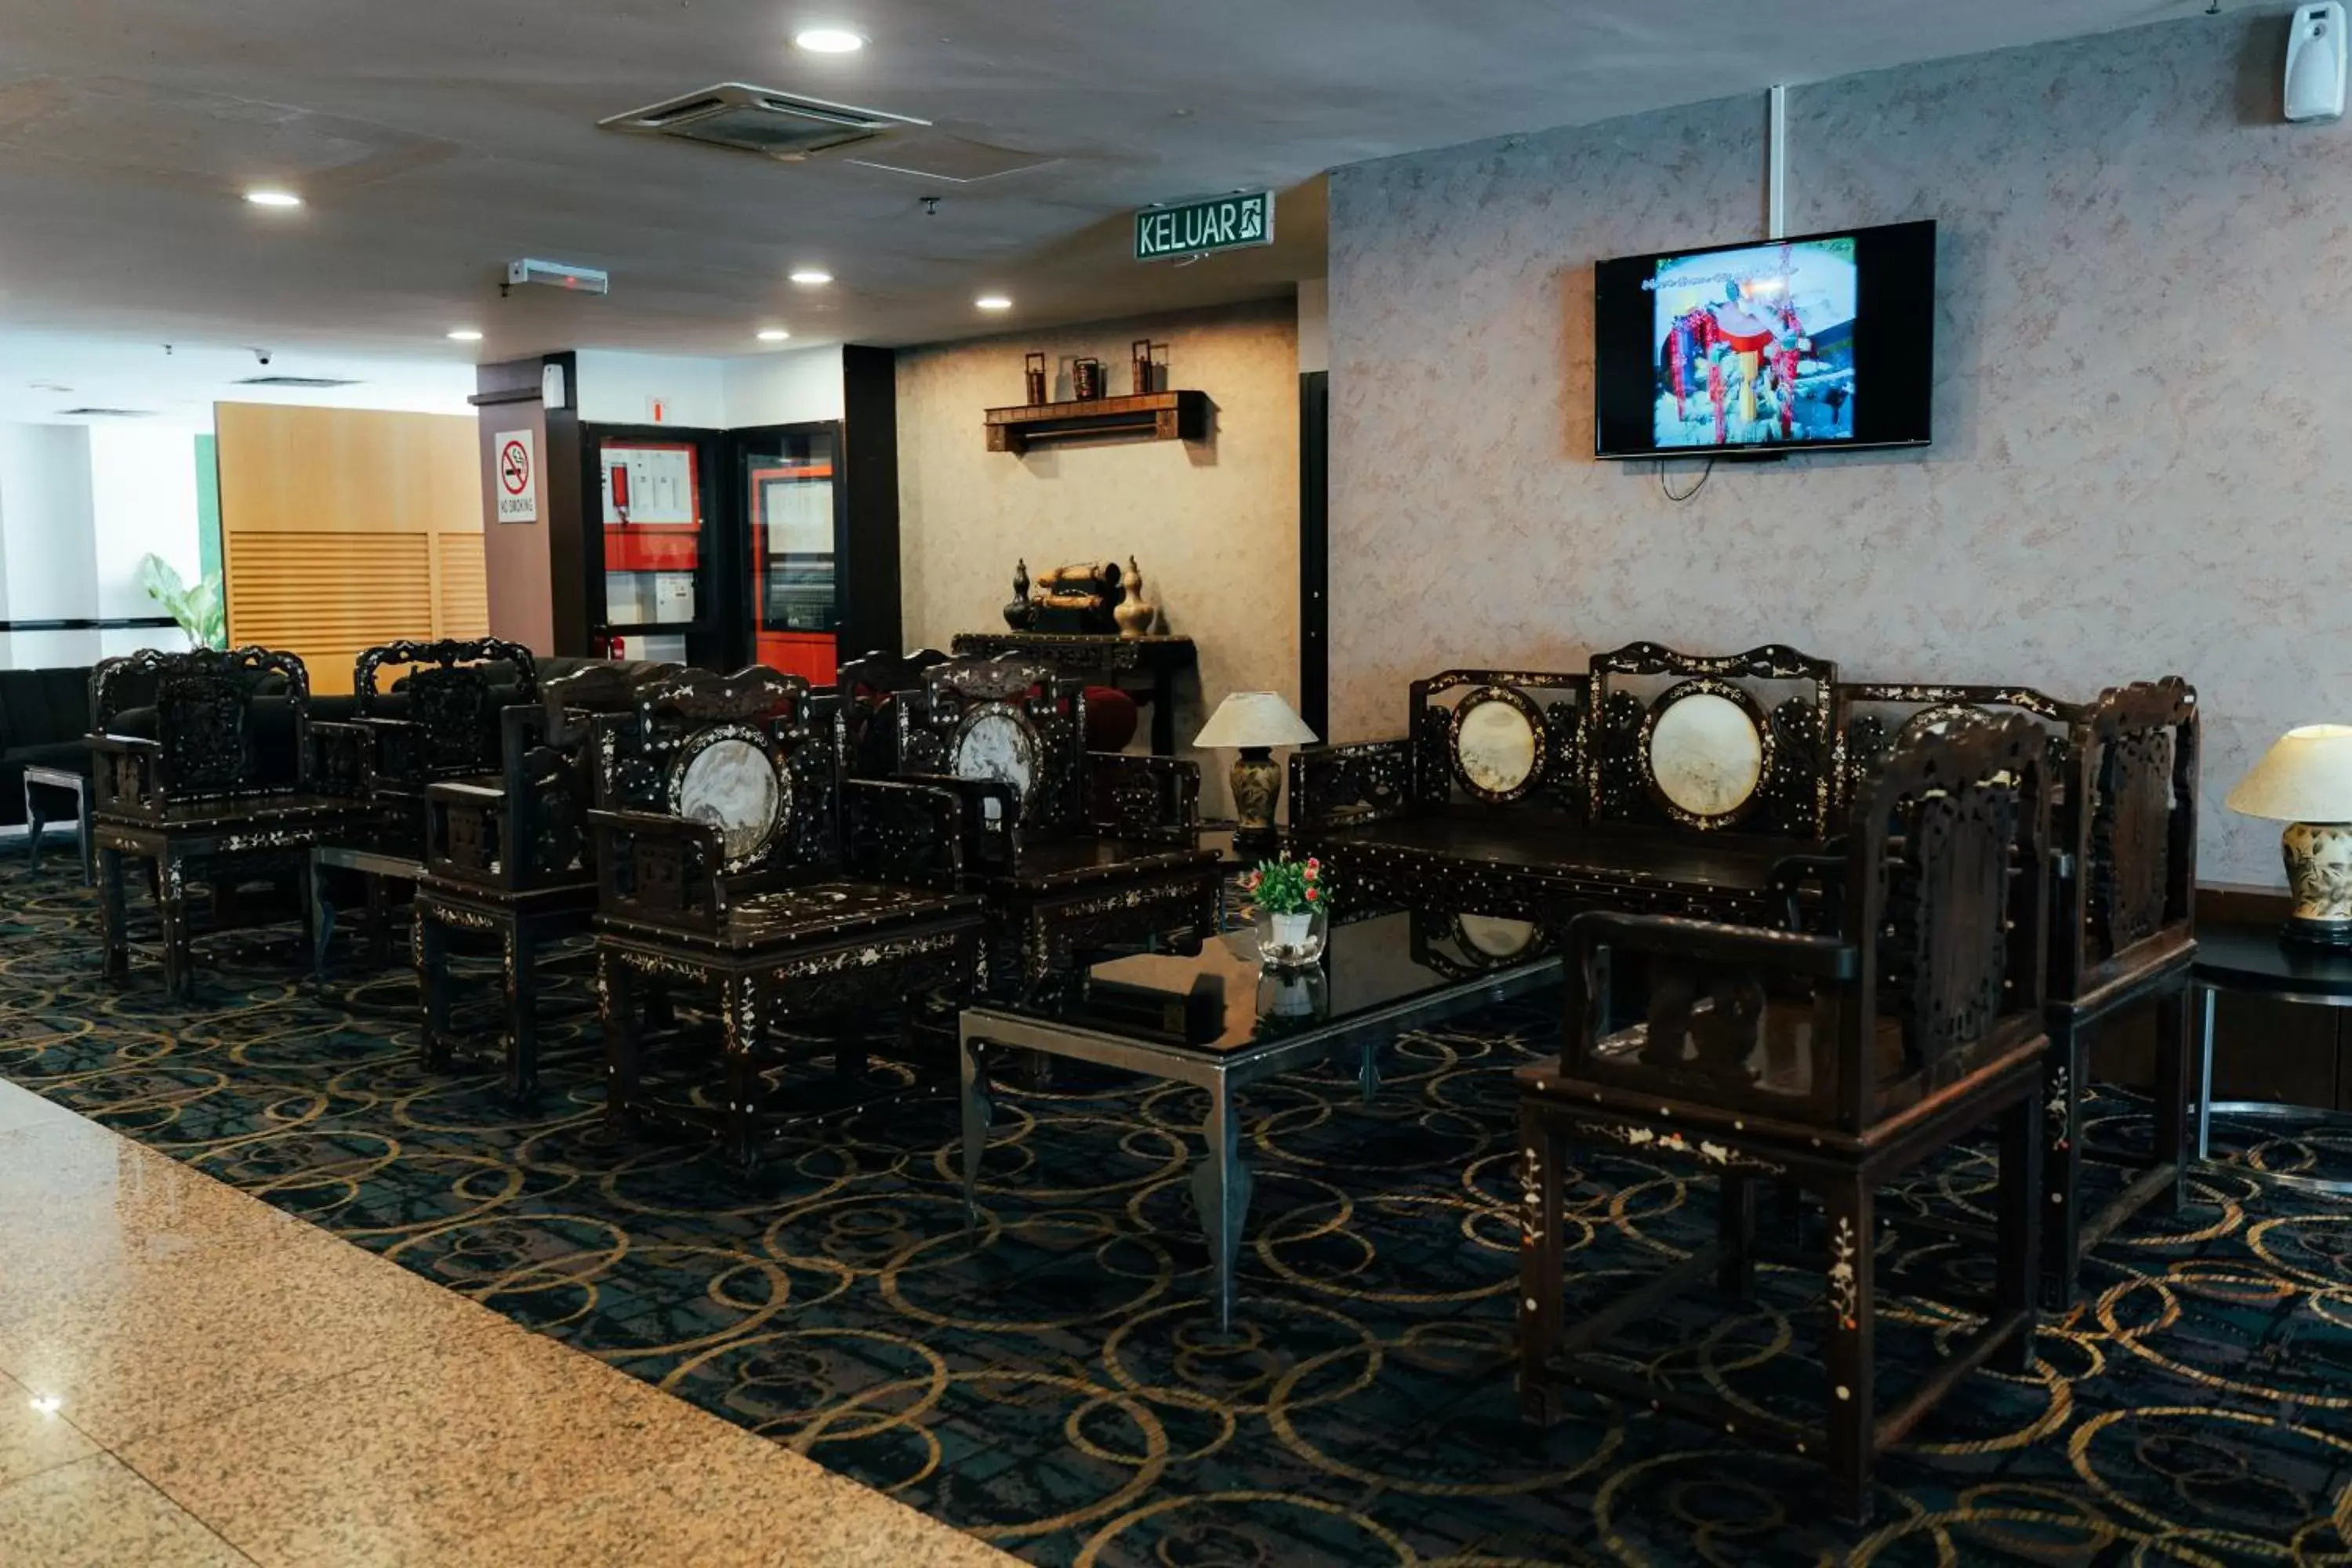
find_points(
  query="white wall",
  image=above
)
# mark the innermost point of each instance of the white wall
(80, 506)
(782, 388)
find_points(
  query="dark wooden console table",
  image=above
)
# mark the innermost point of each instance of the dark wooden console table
(1103, 661)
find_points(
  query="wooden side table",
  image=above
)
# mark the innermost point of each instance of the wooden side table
(61, 780)
(2250, 960)
(1102, 660)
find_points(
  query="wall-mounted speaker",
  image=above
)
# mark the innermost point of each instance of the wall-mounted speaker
(2314, 62)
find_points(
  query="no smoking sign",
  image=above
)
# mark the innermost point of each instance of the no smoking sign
(517, 477)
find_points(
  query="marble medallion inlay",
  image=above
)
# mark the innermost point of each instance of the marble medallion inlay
(732, 785)
(1496, 744)
(1707, 754)
(995, 744)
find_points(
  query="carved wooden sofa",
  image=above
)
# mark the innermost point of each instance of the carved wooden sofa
(211, 792)
(1521, 791)
(511, 855)
(1077, 851)
(1518, 790)
(731, 854)
(1835, 1060)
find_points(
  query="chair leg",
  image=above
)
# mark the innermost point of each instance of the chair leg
(429, 939)
(522, 1010)
(1734, 1229)
(178, 955)
(2176, 1087)
(616, 1000)
(115, 963)
(1543, 1154)
(2062, 1164)
(2015, 1287)
(89, 845)
(738, 1006)
(1850, 1357)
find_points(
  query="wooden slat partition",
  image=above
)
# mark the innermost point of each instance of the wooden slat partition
(345, 527)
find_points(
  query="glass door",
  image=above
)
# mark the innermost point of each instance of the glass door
(791, 500)
(658, 580)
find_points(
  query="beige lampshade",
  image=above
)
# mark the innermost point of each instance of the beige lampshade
(1256, 719)
(2306, 776)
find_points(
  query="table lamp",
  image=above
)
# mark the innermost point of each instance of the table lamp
(2306, 781)
(1254, 722)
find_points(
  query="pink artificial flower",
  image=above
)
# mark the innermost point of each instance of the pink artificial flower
(1313, 865)
(1312, 895)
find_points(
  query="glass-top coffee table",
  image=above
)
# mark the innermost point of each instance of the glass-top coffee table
(1218, 1021)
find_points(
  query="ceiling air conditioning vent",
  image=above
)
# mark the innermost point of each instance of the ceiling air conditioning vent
(106, 414)
(758, 120)
(313, 381)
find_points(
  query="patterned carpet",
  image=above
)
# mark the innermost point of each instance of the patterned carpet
(1053, 1383)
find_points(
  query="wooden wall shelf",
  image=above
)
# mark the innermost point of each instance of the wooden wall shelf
(1153, 416)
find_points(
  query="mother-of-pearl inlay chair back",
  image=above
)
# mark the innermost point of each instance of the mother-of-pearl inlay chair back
(1742, 742)
(1009, 736)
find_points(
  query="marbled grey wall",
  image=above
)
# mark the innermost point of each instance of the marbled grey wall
(2143, 353)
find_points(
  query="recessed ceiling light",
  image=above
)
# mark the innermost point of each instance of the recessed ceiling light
(811, 275)
(267, 198)
(993, 302)
(828, 40)
(774, 335)
(464, 335)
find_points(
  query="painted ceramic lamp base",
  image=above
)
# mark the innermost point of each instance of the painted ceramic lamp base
(2319, 873)
(1257, 786)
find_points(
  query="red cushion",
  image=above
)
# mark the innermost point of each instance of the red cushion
(1111, 719)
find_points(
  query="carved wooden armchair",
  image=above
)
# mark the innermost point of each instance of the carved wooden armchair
(731, 853)
(871, 687)
(2123, 884)
(219, 782)
(511, 855)
(1835, 1060)
(443, 722)
(1077, 851)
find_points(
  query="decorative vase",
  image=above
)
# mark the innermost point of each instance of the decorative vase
(1087, 380)
(1032, 379)
(1020, 615)
(1135, 614)
(1291, 941)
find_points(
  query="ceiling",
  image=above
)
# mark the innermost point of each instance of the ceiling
(434, 140)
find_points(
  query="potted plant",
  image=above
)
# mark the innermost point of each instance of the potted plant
(1291, 910)
(200, 611)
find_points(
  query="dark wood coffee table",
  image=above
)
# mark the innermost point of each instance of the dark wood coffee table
(1218, 1021)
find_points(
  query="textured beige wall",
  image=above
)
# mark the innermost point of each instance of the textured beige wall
(2140, 397)
(1215, 525)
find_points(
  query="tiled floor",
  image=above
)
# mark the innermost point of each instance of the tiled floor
(188, 1376)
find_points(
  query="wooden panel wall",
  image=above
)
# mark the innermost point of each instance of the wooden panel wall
(344, 528)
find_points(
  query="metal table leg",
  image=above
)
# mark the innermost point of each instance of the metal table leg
(978, 1111)
(2205, 1071)
(1221, 1190)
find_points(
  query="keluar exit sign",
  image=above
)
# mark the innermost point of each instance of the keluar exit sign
(1195, 228)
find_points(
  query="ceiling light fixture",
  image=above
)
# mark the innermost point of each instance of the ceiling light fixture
(464, 335)
(773, 335)
(811, 275)
(993, 302)
(268, 198)
(828, 40)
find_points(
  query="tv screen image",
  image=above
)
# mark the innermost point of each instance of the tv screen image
(1756, 346)
(1819, 342)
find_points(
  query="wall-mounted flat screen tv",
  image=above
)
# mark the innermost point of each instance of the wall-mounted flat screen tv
(1825, 341)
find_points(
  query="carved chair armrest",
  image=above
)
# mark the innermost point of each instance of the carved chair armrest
(1350, 785)
(990, 813)
(1154, 800)
(655, 865)
(468, 833)
(1793, 954)
(343, 757)
(1810, 891)
(901, 832)
(124, 767)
